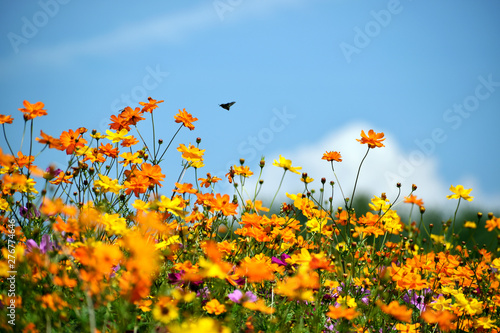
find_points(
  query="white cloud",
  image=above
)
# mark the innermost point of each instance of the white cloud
(381, 170)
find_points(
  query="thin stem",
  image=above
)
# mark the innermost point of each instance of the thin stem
(281, 182)
(357, 176)
(455, 217)
(338, 182)
(170, 143)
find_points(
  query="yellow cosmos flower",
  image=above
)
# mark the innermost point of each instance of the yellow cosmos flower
(286, 164)
(118, 136)
(460, 192)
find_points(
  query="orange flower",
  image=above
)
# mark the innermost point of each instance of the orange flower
(242, 171)
(214, 307)
(184, 188)
(150, 105)
(131, 116)
(493, 223)
(442, 318)
(6, 119)
(62, 178)
(209, 180)
(256, 270)
(223, 204)
(109, 150)
(337, 312)
(71, 140)
(259, 306)
(129, 141)
(400, 312)
(118, 123)
(332, 156)
(185, 118)
(413, 200)
(23, 160)
(137, 185)
(32, 111)
(191, 153)
(153, 173)
(47, 139)
(373, 139)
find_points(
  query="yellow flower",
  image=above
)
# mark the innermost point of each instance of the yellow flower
(107, 184)
(4, 205)
(485, 323)
(165, 310)
(460, 192)
(347, 301)
(316, 225)
(470, 224)
(114, 224)
(206, 325)
(172, 206)
(286, 164)
(118, 136)
(441, 304)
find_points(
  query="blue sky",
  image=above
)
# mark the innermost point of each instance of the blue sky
(307, 76)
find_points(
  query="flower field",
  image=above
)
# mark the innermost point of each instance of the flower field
(106, 246)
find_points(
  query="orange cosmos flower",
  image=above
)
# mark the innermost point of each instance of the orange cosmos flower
(442, 318)
(336, 312)
(206, 182)
(191, 153)
(259, 305)
(184, 188)
(214, 307)
(332, 156)
(118, 123)
(71, 140)
(373, 139)
(32, 111)
(108, 150)
(150, 105)
(256, 270)
(413, 200)
(6, 119)
(493, 223)
(137, 185)
(242, 171)
(223, 204)
(131, 116)
(153, 173)
(230, 175)
(23, 160)
(62, 178)
(129, 141)
(400, 312)
(185, 118)
(48, 140)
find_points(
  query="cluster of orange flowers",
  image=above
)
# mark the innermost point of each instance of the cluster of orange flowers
(116, 254)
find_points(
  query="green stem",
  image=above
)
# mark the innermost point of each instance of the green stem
(357, 177)
(281, 182)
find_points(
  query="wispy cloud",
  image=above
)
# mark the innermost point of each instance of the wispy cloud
(167, 28)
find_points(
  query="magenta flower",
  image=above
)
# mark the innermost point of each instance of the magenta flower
(237, 296)
(45, 245)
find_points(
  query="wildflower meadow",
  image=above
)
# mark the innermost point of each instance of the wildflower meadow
(105, 245)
